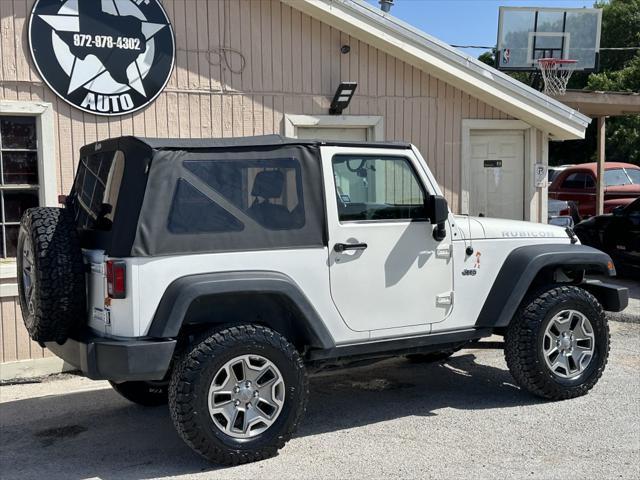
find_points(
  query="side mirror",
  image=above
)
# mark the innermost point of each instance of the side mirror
(562, 221)
(438, 213)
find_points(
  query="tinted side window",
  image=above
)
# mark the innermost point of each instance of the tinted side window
(267, 191)
(377, 188)
(589, 181)
(575, 180)
(193, 212)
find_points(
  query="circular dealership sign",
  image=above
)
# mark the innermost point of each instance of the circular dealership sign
(104, 57)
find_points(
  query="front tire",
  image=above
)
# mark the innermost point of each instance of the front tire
(239, 395)
(557, 345)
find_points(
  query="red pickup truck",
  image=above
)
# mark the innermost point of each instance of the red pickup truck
(578, 184)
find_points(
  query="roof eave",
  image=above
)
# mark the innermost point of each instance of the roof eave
(415, 47)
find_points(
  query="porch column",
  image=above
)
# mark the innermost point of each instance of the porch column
(600, 168)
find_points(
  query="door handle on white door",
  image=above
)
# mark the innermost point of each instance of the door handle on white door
(341, 247)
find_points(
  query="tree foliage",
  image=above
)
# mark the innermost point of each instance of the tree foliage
(620, 28)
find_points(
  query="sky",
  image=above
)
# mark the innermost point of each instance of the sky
(465, 22)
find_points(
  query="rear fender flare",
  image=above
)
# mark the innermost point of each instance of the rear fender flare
(184, 291)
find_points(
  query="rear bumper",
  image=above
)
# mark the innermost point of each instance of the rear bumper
(102, 358)
(613, 298)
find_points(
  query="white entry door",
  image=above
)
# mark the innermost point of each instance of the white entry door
(497, 174)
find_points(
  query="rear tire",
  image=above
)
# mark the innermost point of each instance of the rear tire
(219, 377)
(148, 394)
(557, 345)
(51, 283)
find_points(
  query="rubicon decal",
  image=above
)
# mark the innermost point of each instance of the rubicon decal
(107, 57)
(533, 234)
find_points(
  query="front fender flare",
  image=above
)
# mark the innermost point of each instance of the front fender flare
(182, 292)
(520, 269)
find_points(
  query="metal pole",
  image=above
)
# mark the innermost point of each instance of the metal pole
(600, 167)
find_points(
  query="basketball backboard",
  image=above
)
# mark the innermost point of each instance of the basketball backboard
(526, 34)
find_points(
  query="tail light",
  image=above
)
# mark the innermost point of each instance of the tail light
(116, 279)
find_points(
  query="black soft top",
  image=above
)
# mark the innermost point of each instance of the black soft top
(228, 143)
(138, 196)
(165, 182)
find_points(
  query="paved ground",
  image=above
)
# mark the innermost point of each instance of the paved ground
(464, 418)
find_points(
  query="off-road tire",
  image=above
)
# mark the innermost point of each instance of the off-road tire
(524, 340)
(432, 357)
(148, 394)
(191, 379)
(57, 305)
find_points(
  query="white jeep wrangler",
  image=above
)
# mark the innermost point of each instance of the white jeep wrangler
(217, 273)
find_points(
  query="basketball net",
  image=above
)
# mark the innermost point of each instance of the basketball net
(556, 73)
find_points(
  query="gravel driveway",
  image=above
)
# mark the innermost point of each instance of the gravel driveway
(463, 418)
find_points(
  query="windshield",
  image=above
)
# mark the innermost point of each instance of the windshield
(621, 176)
(634, 175)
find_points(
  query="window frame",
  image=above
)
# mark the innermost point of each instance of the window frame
(46, 158)
(414, 171)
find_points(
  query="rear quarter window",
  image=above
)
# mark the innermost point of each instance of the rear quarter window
(193, 212)
(268, 192)
(244, 198)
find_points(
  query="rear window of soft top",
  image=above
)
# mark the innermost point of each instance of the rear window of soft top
(95, 190)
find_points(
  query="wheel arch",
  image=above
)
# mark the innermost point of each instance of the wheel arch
(529, 267)
(267, 298)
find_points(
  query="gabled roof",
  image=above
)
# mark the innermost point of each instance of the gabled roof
(381, 30)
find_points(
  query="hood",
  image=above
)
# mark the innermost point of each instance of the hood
(482, 227)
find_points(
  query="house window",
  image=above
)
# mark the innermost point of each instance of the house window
(19, 183)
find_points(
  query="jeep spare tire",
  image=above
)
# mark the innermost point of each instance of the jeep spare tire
(51, 284)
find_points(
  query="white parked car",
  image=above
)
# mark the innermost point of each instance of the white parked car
(218, 273)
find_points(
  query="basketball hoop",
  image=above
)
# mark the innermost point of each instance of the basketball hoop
(556, 73)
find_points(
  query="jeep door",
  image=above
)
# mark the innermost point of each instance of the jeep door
(386, 269)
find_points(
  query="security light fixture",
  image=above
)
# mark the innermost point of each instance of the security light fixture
(342, 97)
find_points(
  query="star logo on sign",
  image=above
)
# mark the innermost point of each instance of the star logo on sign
(103, 39)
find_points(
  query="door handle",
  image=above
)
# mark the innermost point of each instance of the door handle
(341, 247)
